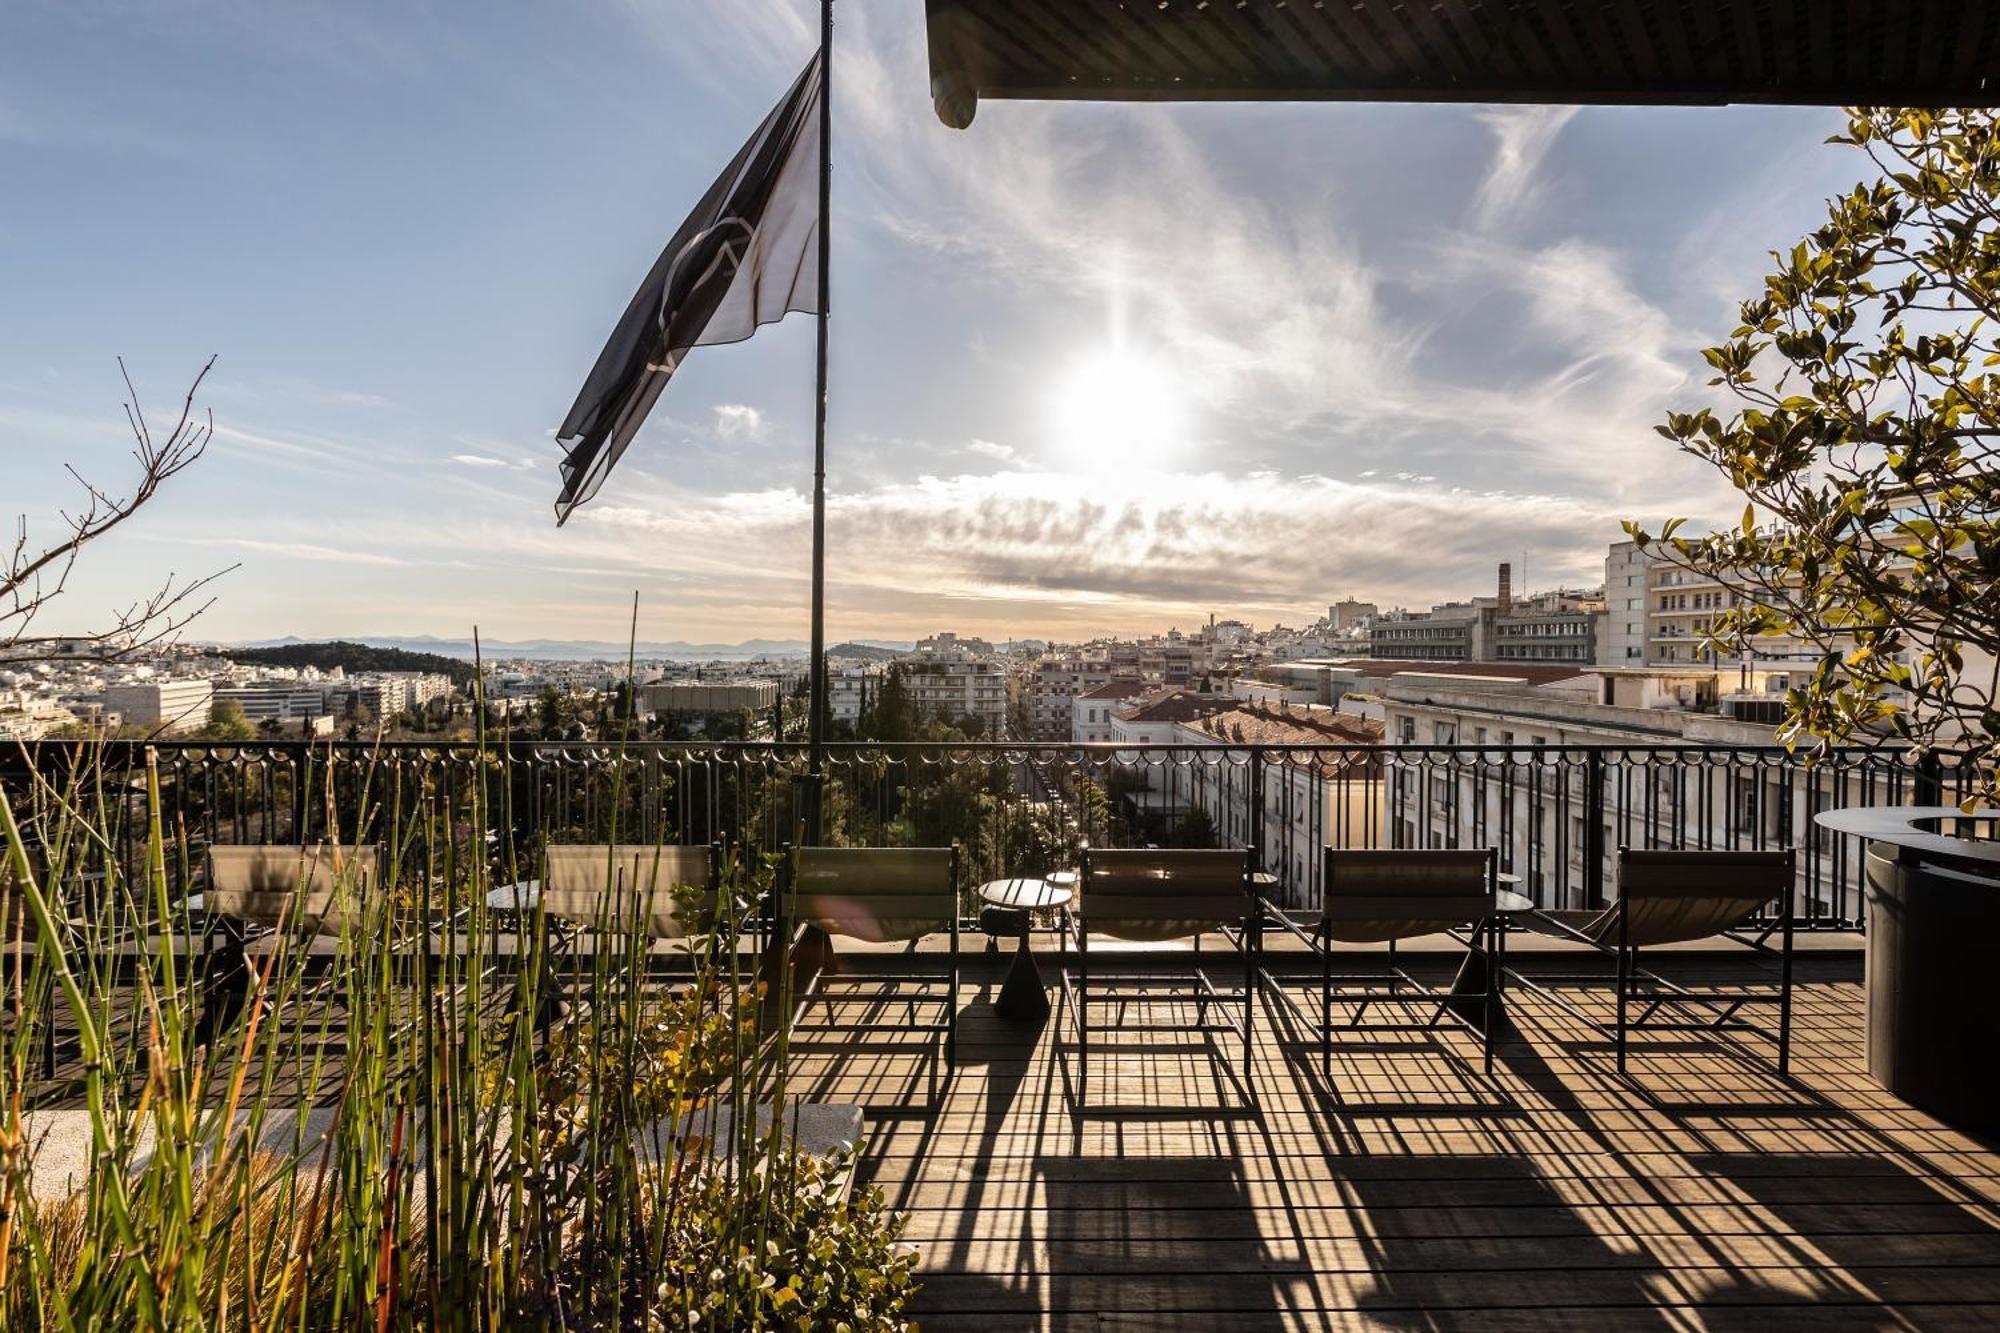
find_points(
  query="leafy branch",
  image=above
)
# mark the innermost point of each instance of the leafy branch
(1866, 443)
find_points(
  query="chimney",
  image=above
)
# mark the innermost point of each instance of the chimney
(1506, 607)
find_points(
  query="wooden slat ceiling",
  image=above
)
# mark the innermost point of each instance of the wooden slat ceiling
(1827, 52)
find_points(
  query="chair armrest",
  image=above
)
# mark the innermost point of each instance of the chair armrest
(1271, 912)
(1542, 923)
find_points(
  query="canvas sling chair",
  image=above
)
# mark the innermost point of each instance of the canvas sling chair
(1382, 897)
(1158, 896)
(1677, 897)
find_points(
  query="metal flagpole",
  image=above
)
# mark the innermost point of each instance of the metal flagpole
(816, 722)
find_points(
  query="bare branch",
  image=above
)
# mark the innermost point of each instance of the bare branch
(32, 578)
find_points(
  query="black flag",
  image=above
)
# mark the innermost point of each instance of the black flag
(746, 256)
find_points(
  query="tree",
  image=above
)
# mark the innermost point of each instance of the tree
(1864, 442)
(32, 575)
(892, 716)
(227, 723)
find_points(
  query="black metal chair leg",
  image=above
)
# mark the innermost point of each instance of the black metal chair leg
(1624, 981)
(1326, 1008)
(1494, 962)
(1785, 996)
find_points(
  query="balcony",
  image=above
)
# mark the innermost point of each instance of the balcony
(1396, 1182)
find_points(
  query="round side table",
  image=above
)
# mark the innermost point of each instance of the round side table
(1022, 995)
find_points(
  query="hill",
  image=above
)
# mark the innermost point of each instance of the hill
(353, 657)
(572, 650)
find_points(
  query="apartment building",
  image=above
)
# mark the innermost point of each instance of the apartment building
(170, 705)
(1452, 632)
(1289, 805)
(1561, 627)
(1658, 612)
(282, 700)
(1055, 685)
(851, 691)
(704, 696)
(946, 681)
(1347, 615)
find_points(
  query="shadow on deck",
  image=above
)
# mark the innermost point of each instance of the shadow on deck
(1399, 1187)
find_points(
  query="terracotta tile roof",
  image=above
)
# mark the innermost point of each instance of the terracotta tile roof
(1117, 689)
(1263, 724)
(1179, 706)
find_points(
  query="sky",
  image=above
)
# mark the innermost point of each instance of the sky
(1095, 368)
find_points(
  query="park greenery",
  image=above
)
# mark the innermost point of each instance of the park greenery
(353, 658)
(1865, 442)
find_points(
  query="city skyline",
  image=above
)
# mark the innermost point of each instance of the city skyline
(1095, 368)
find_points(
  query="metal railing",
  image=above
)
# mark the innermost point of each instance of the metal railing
(1557, 814)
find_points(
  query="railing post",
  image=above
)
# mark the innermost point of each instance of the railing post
(1593, 827)
(301, 759)
(1929, 787)
(806, 809)
(1257, 805)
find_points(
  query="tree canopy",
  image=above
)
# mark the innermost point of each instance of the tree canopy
(1863, 440)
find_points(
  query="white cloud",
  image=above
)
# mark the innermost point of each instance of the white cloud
(290, 550)
(1047, 548)
(1522, 136)
(738, 421)
(992, 449)
(478, 460)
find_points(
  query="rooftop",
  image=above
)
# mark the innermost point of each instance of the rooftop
(1267, 724)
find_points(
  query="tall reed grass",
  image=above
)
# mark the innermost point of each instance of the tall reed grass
(427, 1113)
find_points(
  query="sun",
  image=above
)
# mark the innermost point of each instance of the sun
(1117, 410)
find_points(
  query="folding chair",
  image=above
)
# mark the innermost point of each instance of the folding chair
(258, 896)
(1377, 897)
(1673, 897)
(1155, 896)
(664, 892)
(880, 895)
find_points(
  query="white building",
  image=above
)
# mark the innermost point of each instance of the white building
(1091, 714)
(1657, 612)
(1290, 804)
(168, 704)
(851, 691)
(949, 683)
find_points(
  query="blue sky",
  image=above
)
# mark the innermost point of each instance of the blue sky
(1096, 367)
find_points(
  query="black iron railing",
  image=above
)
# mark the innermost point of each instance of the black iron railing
(1557, 814)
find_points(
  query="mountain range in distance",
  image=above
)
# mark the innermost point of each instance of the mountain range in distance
(586, 649)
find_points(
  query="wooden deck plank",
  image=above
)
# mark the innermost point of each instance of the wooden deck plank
(1409, 1189)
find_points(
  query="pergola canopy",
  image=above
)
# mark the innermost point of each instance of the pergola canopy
(1814, 52)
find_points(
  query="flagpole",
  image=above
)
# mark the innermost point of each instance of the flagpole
(816, 690)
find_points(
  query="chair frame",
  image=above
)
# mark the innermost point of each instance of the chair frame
(226, 972)
(1630, 980)
(566, 929)
(1396, 985)
(788, 929)
(1077, 986)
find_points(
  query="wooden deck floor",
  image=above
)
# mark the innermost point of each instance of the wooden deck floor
(1410, 1191)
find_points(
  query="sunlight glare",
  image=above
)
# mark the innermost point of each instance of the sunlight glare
(1117, 411)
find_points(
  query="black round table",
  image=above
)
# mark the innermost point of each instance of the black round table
(1022, 995)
